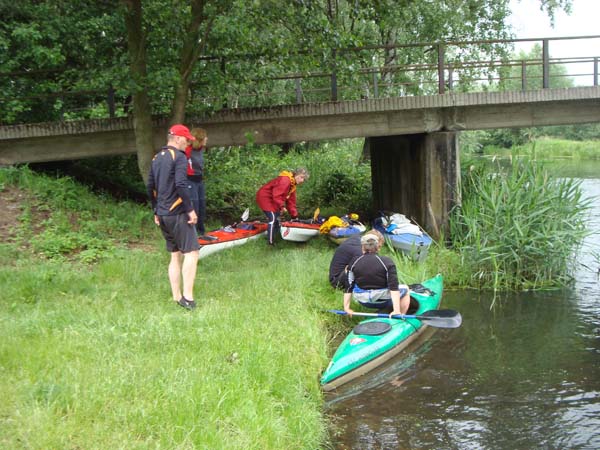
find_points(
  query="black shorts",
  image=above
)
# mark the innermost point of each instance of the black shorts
(180, 235)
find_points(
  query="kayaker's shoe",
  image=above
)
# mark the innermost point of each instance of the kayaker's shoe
(187, 304)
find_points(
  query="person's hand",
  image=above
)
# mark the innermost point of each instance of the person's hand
(283, 210)
(349, 311)
(396, 313)
(156, 220)
(193, 218)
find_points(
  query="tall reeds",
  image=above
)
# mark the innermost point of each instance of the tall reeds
(518, 227)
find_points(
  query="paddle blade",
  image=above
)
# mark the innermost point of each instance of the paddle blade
(437, 318)
(245, 214)
(316, 214)
(441, 318)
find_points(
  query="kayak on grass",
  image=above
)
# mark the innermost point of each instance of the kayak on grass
(340, 234)
(299, 231)
(374, 341)
(407, 237)
(230, 237)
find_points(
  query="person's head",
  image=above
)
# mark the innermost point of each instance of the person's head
(201, 137)
(179, 136)
(371, 241)
(300, 175)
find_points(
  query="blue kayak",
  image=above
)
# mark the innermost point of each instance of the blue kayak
(413, 245)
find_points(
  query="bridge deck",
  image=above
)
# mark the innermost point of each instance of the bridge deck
(317, 121)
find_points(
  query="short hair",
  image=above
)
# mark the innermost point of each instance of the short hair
(301, 171)
(371, 241)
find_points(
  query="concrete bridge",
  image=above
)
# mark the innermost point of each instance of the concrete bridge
(412, 138)
(313, 122)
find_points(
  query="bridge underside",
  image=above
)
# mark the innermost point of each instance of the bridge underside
(417, 175)
(313, 122)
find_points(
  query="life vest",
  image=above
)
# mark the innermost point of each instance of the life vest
(290, 175)
(332, 222)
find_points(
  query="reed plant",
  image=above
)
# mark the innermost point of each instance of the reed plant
(517, 226)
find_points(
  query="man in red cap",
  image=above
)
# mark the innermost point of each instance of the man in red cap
(174, 213)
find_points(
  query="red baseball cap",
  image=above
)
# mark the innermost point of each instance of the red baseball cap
(181, 130)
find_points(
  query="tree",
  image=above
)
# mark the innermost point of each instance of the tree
(164, 53)
(192, 45)
(511, 79)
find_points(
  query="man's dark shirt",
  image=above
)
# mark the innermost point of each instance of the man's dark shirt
(346, 252)
(167, 183)
(372, 271)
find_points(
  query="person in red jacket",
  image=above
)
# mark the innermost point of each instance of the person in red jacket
(279, 196)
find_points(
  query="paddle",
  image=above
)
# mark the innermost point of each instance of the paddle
(244, 217)
(316, 214)
(440, 318)
(313, 220)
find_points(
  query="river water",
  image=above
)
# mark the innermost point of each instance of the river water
(524, 374)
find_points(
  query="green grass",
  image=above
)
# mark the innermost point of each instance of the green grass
(94, 353)
(547, 148)
(101, 357)
(98, 356)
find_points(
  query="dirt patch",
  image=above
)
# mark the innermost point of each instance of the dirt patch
(12, 201)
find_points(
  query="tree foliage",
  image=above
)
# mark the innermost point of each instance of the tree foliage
(197, 56)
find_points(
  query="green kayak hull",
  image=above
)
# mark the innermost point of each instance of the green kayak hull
(359, 354)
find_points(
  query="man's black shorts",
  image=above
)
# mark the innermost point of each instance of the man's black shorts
(179, 235)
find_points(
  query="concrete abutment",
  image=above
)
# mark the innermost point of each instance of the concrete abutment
(417, 175)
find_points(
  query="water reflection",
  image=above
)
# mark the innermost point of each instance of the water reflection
(525, 374)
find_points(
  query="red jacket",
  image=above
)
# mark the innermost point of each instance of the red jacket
(195, 168)
(277, 193)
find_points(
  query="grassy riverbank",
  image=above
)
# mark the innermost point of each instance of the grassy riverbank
(94, 354)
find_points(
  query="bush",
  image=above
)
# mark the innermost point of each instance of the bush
(517, 227)
(338, 182)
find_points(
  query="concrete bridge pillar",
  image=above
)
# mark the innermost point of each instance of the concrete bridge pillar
(417, 175)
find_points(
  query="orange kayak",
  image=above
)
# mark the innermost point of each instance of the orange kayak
(230, 236)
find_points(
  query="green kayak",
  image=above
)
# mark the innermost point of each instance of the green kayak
(359, 353)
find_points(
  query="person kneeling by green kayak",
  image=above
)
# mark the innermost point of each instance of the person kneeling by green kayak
(373, 281)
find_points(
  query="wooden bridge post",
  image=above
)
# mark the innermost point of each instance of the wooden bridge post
(440, 61)
(545, 63)
(417, 175)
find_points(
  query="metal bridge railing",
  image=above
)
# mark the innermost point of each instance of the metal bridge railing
(351, 74)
